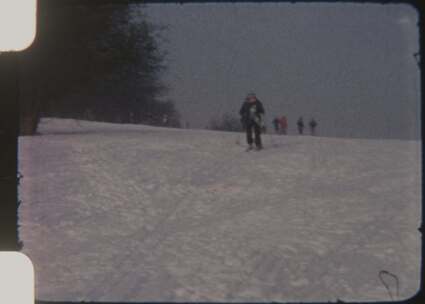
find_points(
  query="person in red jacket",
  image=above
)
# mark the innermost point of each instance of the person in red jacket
(283, 125)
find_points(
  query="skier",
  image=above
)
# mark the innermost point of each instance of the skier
(252, 112)
(283, 124)
(276, 123)
(313, 125)
(300, 125)
(165, 119)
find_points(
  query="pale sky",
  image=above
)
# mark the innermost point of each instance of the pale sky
(351, 66)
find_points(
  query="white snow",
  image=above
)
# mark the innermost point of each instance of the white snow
(137, 213)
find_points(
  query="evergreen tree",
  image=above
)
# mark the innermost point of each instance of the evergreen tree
(90, 61)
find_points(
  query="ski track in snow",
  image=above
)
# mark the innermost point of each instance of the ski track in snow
(137, 213)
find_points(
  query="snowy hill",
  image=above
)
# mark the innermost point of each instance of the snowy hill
(137, 213)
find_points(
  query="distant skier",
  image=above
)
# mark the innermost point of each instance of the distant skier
(300, 125)
(283, 122)
(276, 124)
(165, 119)
(252, 112)
(313, 125)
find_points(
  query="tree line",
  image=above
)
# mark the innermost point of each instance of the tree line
(95, 62)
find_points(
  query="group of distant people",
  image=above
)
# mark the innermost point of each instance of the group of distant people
(252, 118)
(281, 125)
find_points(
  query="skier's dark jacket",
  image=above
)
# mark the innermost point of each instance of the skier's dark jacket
(245, 111)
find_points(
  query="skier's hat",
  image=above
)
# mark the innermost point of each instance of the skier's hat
(251, 94)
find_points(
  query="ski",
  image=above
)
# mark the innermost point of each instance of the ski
(254, 149)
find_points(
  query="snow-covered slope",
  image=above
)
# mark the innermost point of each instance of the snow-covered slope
(136, 213)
